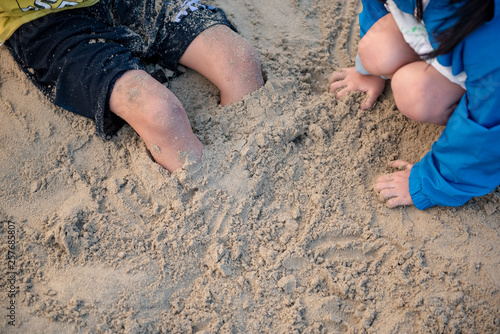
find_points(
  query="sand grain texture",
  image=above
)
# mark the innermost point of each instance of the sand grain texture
(277, 230)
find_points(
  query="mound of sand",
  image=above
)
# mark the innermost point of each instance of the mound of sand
(277, 230)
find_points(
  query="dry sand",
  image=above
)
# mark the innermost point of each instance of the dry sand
(278, 230)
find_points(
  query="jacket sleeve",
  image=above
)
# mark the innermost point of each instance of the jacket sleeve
(465, 161)
(373, 10)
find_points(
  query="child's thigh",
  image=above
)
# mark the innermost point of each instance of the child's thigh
(383, 49)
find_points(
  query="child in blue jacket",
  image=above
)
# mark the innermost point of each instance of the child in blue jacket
(442, 59)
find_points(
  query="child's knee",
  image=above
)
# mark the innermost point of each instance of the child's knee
(164, 112)
(227, 60)
(240, 63)
(412, 96)
(141, 100)
(131, 91)
(238, 70)
(423, 94)
(236, 58)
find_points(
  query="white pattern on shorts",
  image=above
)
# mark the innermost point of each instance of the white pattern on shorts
(189, 6)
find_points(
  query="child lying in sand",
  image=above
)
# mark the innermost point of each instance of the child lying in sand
(86, 60)
(461, 89)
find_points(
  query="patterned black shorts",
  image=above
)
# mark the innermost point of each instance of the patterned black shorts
(76, 56)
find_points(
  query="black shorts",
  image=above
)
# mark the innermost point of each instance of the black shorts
(76, 56)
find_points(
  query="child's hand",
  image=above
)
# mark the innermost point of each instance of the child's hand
(348, 80)
(395, 187)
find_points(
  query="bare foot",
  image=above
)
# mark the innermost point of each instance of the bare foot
(395, 187)
(348, 80)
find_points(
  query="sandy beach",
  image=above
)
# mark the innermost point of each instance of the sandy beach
(277, 230)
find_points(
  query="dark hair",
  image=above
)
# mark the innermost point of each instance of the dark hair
(470, 16)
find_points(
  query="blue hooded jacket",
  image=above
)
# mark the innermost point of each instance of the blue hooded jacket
(465, 161)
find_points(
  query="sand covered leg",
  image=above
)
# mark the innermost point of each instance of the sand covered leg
(227, 60)
(157, 116)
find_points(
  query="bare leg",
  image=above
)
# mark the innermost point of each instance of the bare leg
(420, 92)
(157, 116)
(423, 94)
(227, 60)
(383, 49)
